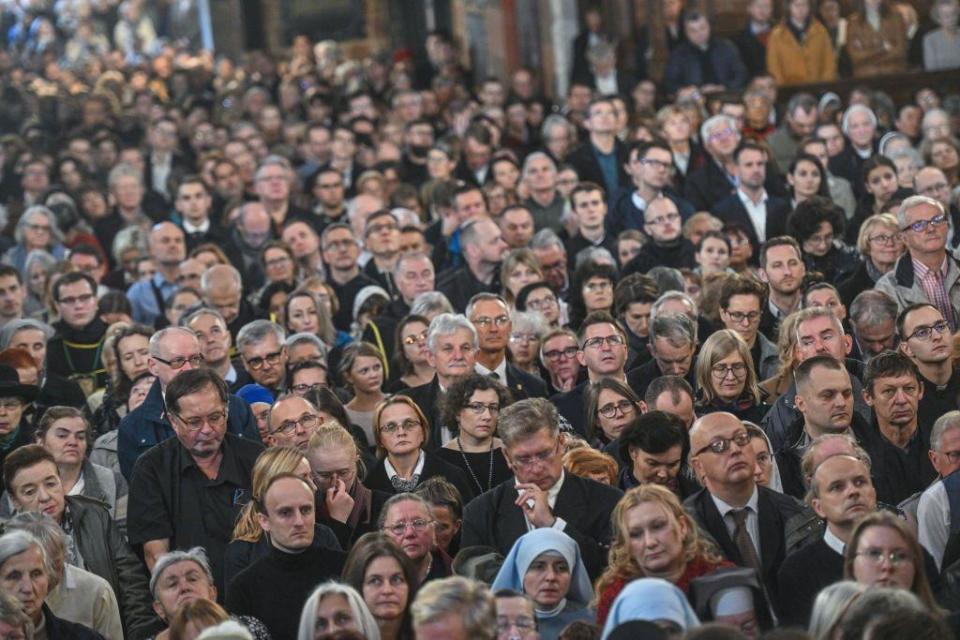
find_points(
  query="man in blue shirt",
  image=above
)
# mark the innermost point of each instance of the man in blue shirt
(168, 248)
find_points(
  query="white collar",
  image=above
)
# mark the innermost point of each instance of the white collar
(748, 201)
(391, 472)
(833, 541)
(500, 370)
(553, 491)
(725, 508)
(189, 228)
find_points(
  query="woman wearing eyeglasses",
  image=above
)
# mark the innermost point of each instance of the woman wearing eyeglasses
(540, 298)
(879, 244)
(361, 367)
(344, 504)
(726, 380)
(410, 355)
(767, 473)
(473, 404)
(545, 564)
(653, 537)
(819, 224)
(592, 290)
(883, 552)
(400, 430)
(610, 406)
(386, 578)
(524, 345)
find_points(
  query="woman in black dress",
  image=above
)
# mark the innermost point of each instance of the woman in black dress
(473, 404)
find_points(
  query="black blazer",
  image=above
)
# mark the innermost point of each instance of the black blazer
(570, 406)
(585, 162)
(524, 385)
(858, 281)
(426, 396)
(460, 285)
(731, 210)
(773, 509)
(493, 520)
(803, 574)
(433, 466)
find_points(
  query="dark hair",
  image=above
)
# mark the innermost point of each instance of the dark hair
(368, 548)
(86, 250)
(673, 385)
(779, 241)
(748, 145)
(804, 370)
(192, 381)
(440, 492)
(312, 363)
(597, 317)
(641, 148)
(9, 270)
(636, 287)
(716, 235)
(902, 317)
(652, 432)
(521, 301)
(459, 393)
(587, 187)
(803, 156)
(888, 364)
(324, 399)
(399, 356)
(22, 458)
(581, 276)
(115, 302)
(811, 213)
(592, 402)
(272, 289)
(122, 383)
(738, 285)
(873, 162)
(72, 278)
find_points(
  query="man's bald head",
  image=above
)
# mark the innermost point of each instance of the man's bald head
(220, 277)
(704, 429)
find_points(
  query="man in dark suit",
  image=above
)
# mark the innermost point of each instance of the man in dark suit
(413, 275)
(761, 215)
(452, 343)
(747, 521)
(704, 61)
(162, 165)
(673, 344)
(490, 316)
(602, 159)
(541, 494)
(193, 203)
(483, 249)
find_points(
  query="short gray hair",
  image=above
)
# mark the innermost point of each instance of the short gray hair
(55, 234)
(808, 314)
(397, 499)
(159, 336)
(304, 337)
(199, 312)
(547, 239)
(274, 161)
(40, 526)
(407, 257)
(556, 120)
(446, 324)
(929, 115)
(254, 332)
(16, 542)
(123, 170)
(14, 327)
(672, 295)
(871, 307)
(915, 201)
(594, 254)
(536, 155)
(856, 108)
(468, 600)
(430, 303)
(710, 122)
(949, 420)
(126, 239)
(484, 296)
(196, 555)
(227, 269)
(525, 418)
(676, 328)
(830, 605)
(529, 322)
(361, 613)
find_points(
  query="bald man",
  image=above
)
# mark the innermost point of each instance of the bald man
(222, 289)
(168, 248)
(747, 521)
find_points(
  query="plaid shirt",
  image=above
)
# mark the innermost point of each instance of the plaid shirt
(935, 288)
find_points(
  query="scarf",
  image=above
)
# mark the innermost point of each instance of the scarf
(872, 271)
(405, 486)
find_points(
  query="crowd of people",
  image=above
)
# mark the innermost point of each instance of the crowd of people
(307, 346)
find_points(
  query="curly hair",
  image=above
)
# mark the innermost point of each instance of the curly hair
(810, 214)
(623, 566)
(460, 392)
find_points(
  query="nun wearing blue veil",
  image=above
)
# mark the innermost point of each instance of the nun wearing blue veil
(545, 564)
(654, 600)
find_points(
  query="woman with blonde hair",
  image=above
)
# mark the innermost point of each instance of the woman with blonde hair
(519, 268)
(249, 542)
(778, 384)
(653, 537)
(362, 368)
(345, 505)
(880, 243)
(726, 380)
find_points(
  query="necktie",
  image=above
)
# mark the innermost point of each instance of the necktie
(741, 536)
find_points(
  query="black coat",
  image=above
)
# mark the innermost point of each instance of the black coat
(427, 397)
(731, 210)
(802, 575)
(433, 466)
(584, 160)
(523, 385)
(640, 378)
(678, 256)
(857, 281)
(60, 629)
(570, 406)
(493, 520)
(460, 285)
(725, 66)
(773, 510)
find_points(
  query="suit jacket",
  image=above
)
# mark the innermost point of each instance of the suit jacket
(570, 406)
(460, 285)
(584, 160)
(683, 68)
(773, 510)
(731, 210)
(707, 185)
(524, 385)
(427, 397)
(803, 574)
(494, 520)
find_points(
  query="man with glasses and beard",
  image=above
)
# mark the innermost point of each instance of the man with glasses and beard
(541, 494)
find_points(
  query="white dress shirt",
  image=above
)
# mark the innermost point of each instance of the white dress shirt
(757, 213)
(933, 520)
(833, 541)
(392, 472)
(560, 524)
(500, 371)
(753, 518)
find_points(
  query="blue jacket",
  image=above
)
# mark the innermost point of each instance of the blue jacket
(624, 214)
(147, 426)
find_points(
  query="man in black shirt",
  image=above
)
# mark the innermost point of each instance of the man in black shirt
(340, 253)
(189, 490)
(925, 339)
(483, 249)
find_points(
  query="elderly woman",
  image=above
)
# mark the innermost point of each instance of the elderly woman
(879, 244)
(653, 537)
(401, 430)
(39, 265)
(25, 575)
(36, 230)
(610, 406)
(379, 570)
(473, 404)
(726, 380)
(539, 297)
(524, 345)
(941, 47)
(519, 268)
(545, 564)
(334, 607)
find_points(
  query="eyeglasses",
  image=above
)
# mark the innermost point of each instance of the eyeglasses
(670, 217)
(328, 476)
(921, 225)
(398, 529)
(543, 303)
(738, 369)
(523, 337)
(10, 404)
(195, 423)
(877, 556)
(884, 238)
(180, 362)
(926, 332)
(611, 409)
(657, 164)
(523, 625)
(952, 456)
(407, 425)
(303, 387)
(258, 362)
(555, 354)
(72, 300)
(723, 133)
(414, 338)
(740, 316)
(594, 287)
(612, 341)
(276, 262)
(378, 228)
(484, 321)
(720, 445)
(308, 421)
(479, 407)
(536, 458)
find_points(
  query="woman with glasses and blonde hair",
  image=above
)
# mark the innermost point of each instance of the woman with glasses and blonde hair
(248, 542)
(879, 244)
(653, 537)
(726, 380)
(401, 430)
(473, 404)
(344, 504)
(610, 406)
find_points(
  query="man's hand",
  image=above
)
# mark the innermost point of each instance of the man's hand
(533, 501)
(339, 502)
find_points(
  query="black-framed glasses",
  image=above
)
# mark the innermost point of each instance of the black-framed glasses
(611, 409)
(308, 421)
(195, 423)
(921, 225)
(477, 408)
(180, 362)
(720, 371)
(720, 445)
(740, 316)
(303, 387)
(611, 341)
(540, 305)
(258, 362)
(555, 354)
(925, 332)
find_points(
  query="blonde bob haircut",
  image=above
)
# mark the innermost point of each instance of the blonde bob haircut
(718, 346)
(866, 229)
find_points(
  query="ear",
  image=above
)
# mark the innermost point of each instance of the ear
(264, 522)
(581, 358)
(817, 507)
(905, 349)
(799, 403)
(152, 366)
(431, 360)
(867, 397)
(762, 273)
(643, 407)
(934, 462)
(848, 342)
(697, 467)
(157, 609)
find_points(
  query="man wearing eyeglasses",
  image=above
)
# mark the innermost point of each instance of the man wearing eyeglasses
(189, 490)
(172, 350)
(516, 615)
(381, 237)
(925, 339)
(747, 521)
(291, 423)
(926, 273)
(491, 317)
(264, 355)
(933, 183)
(666, 245)
(741, 304)
(558, 353)
(672, 345)
(934, 514)
(541, 494)
(651, 169)
(340, 253)
(75, 350)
